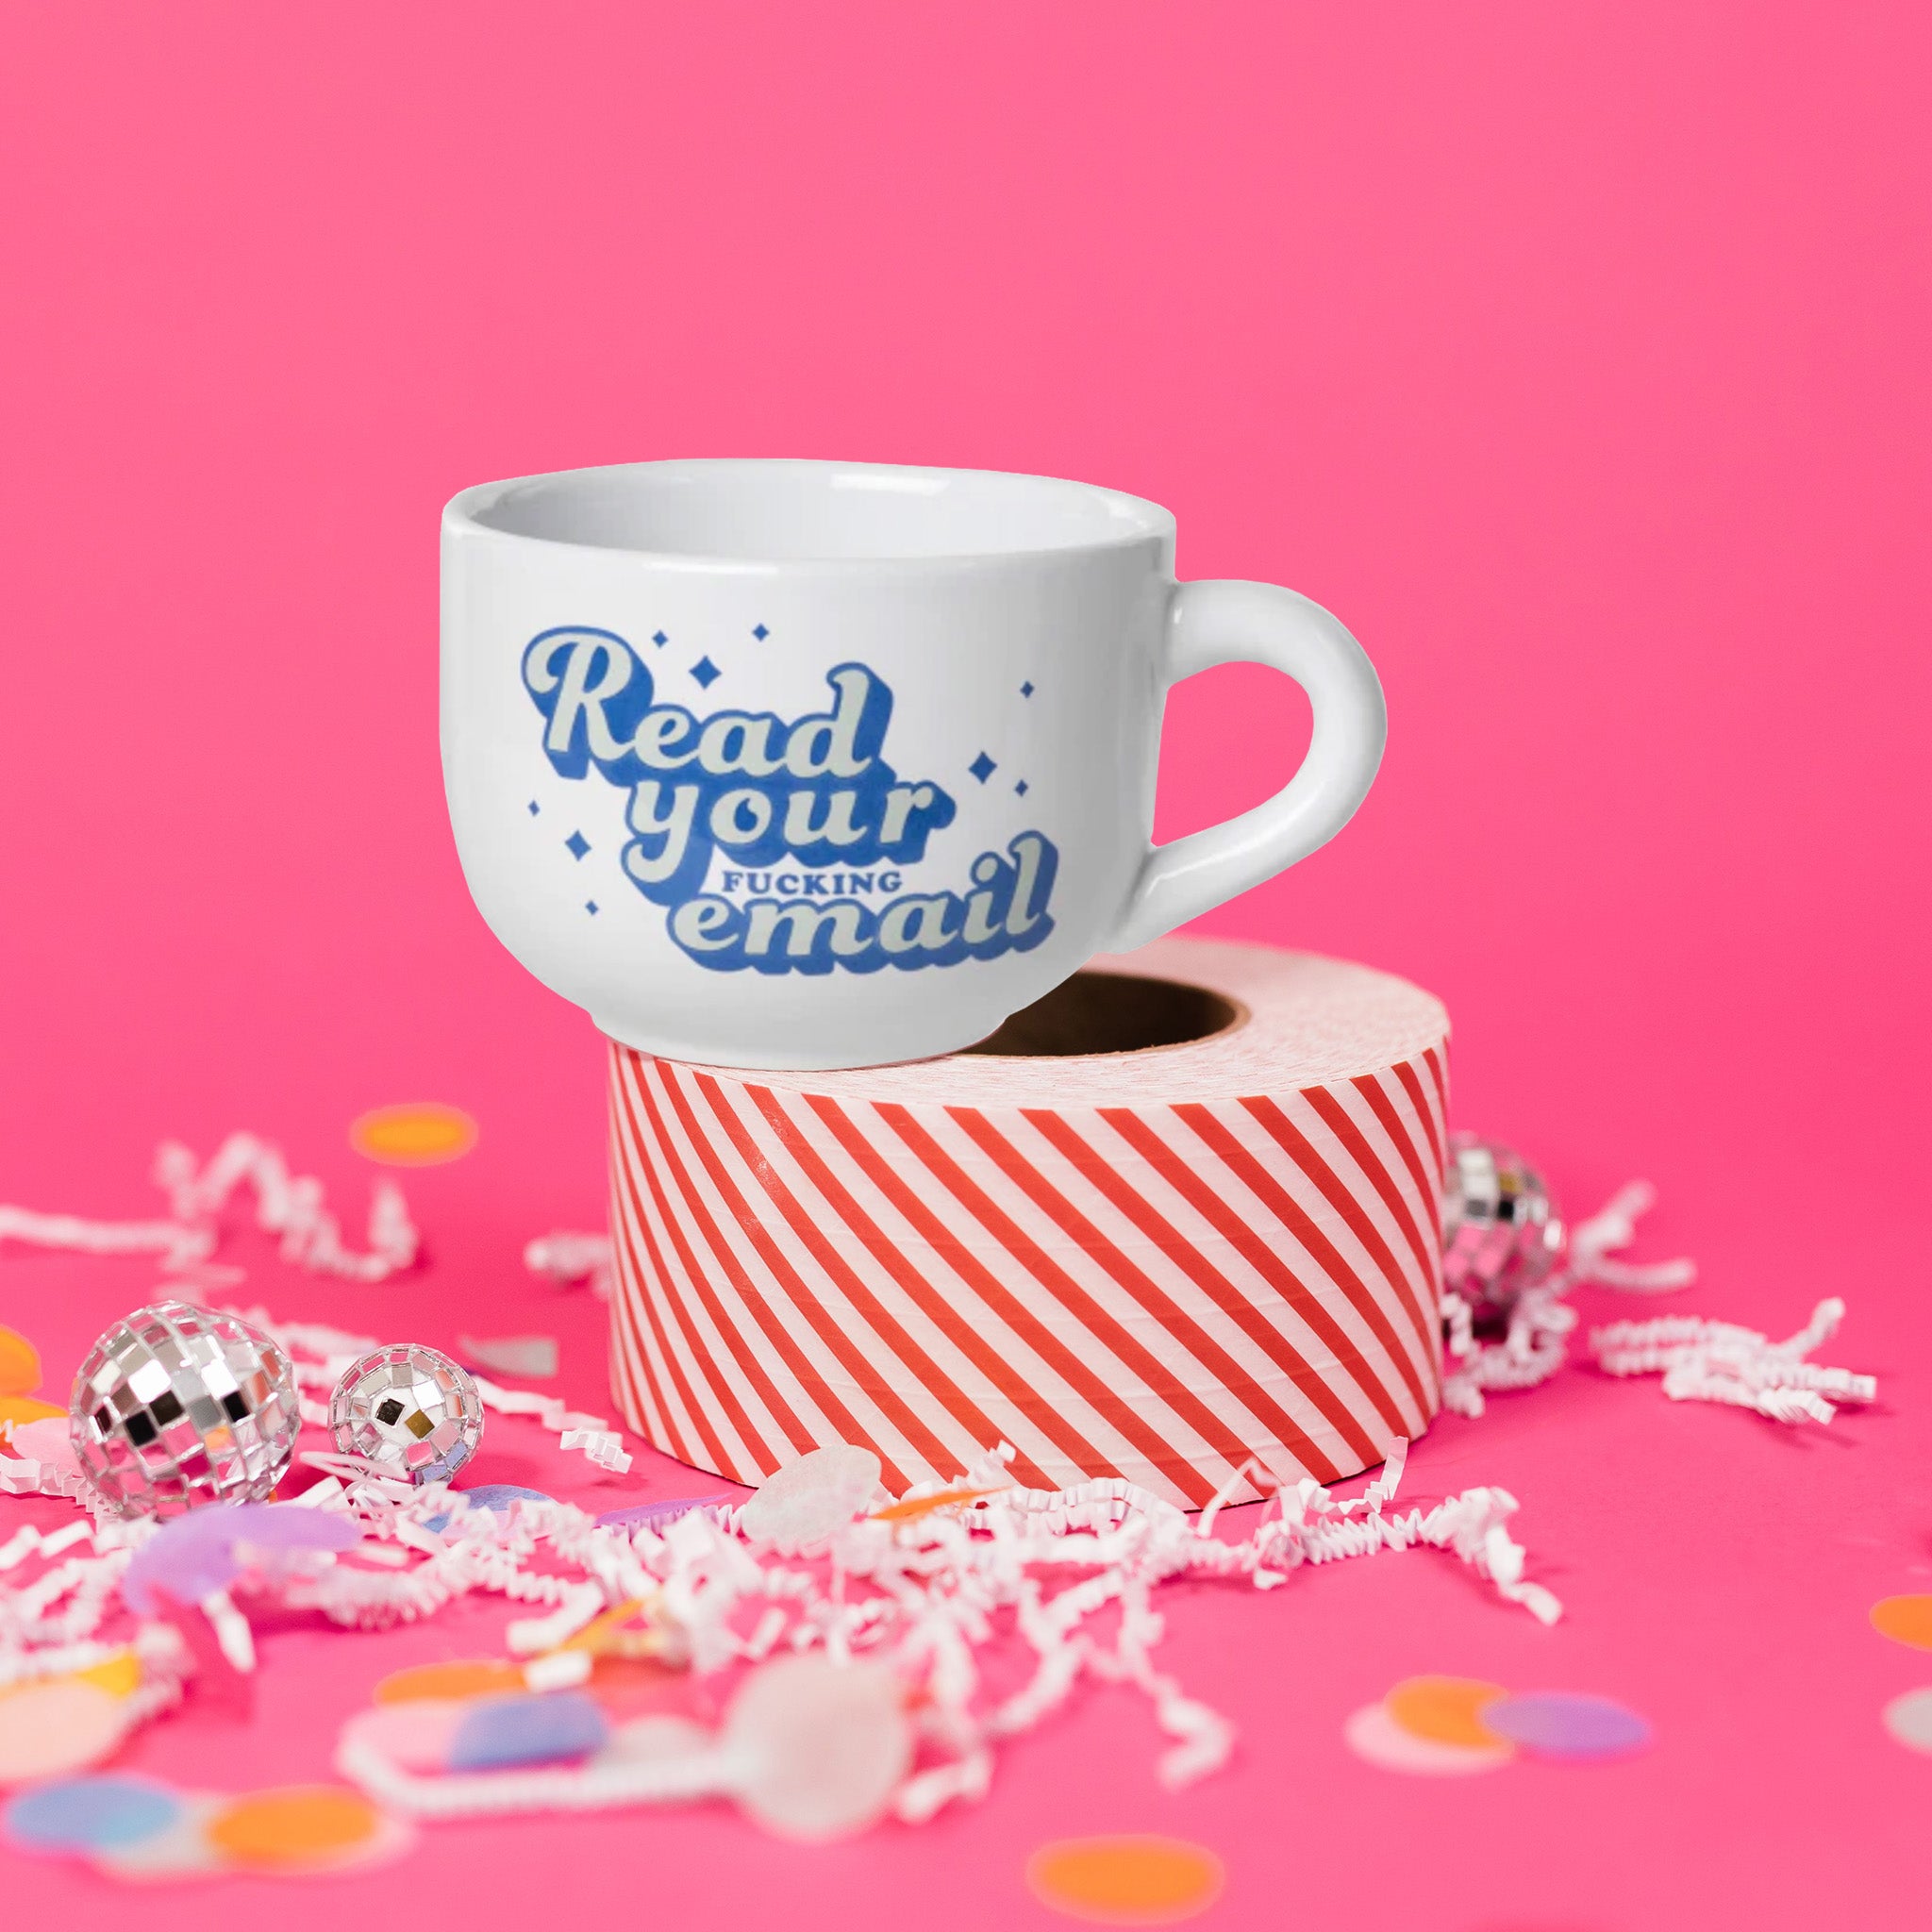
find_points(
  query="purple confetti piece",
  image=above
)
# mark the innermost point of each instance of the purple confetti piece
(497, 1732)
(654, 1516)
(191, 1556)
(1571, 1727)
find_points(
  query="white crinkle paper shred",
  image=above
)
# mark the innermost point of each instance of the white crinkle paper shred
(920, 1590)
(1701, 1360)
(923, 1594)
(290, 1206)
(1536, 1340)
(572, 1258)
(915, 1594)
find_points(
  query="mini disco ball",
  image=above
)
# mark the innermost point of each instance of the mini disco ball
(409, 1409)
(1501, 1232)
(178, 1406)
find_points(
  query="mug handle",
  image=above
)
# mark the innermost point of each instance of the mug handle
(1229, 622)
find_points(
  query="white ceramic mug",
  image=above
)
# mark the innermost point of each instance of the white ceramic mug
(796, 764)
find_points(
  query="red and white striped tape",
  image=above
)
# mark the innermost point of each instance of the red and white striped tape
(1153, 1289)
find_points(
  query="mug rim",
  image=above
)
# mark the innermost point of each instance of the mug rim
(1143, 520)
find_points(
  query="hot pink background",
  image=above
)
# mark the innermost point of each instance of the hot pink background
(1574, 356)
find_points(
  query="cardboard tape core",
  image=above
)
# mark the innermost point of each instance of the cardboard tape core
(1112, 1012)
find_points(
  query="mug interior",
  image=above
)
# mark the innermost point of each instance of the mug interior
(785, 511)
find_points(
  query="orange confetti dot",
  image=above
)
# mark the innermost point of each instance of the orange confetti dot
(1446, 1710)
(1125, 1881)
(118, 1675)
(1905, 1619)
(606, 1632)
(20, 1364)
(471, 1678)
(625, 1675)
(915, 1506)
(28, 1408)
(299, 1824)
(420, 1134)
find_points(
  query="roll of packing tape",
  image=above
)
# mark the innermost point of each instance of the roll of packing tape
(1183, 1210)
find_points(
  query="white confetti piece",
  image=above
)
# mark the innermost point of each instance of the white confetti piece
(816, 1750)
(1908, 1718)
(812, 1498)
(513, 1355)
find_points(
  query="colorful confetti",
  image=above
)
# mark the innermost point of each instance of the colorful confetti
(298, 1826)
(1909, 1720)
(654, 1516)
(496, 1732)
(809, 1745)
(1375, 1738)
(1446, 1710)
(629, 1686)
(20, 1364)
(414, 1735)
(451, 1682)
(21, 1410)
(1139, 1880)
(118, 1675)
(909, 1508)
(1905, 1619)
(135, 1828)
(91, 1814)
(180, 1849)
(1570, 1726)
(193, 1556)
(495, 1497)
(417, 1134)
(53, 1727)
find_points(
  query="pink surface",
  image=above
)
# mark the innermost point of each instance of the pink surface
(1573, 356)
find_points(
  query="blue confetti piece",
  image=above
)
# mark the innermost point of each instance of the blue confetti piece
(91, 1814)
(497, 1497)
(499, 1732)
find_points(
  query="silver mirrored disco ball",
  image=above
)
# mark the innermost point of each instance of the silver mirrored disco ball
(1501, 1232)
(409, 1409)
(177, 1405)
